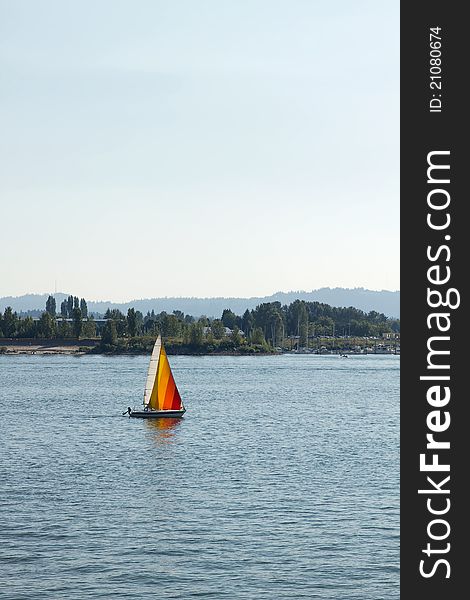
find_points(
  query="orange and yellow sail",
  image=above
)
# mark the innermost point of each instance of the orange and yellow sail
(161, 392)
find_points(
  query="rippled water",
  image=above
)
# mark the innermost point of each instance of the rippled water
(281, 481)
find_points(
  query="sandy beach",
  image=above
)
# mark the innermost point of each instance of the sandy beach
(45, 347)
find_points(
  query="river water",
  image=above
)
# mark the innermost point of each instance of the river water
(281, 481)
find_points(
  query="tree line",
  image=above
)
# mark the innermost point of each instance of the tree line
(269, 324)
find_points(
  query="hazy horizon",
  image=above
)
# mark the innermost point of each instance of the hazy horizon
(199, 149)
(383, 301)
(132, 298)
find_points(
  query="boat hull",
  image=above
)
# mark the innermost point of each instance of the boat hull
(156, 414)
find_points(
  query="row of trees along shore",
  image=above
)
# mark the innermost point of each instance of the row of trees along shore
(268, 327)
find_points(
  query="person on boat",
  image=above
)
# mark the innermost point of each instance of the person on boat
(129, 410)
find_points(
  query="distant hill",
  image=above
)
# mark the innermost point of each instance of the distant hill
(383, 301)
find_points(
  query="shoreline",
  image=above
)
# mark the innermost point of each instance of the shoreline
(21, 349)
(84, 350)
(76, 350)
(43, 347)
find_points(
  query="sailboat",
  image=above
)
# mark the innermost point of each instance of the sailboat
(161, 396)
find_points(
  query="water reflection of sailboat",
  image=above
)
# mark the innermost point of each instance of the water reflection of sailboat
(168, 424)
(162, 430)
(161, 396)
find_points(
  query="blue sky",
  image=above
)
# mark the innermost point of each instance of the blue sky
(198, 148)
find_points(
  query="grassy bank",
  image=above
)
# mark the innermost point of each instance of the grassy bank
(144, 344)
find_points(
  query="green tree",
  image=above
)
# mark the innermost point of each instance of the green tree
(47, 326)
(131, 322)
(51, 306)
(149, 323)
(170, 326)
(135, 321)
(324, 326)
(229, 318)
(84, 308)
(186, 333)
(275, 325)
(247, 322)
(77, 322)
(266, 316)
(119, 319)
(64, 330)
(27, 328)
(235, 336)
(10, 322)
(303, 324)
(218, 329)
(257, 337)
(109, 335)
(76, 303)
(89, 327)
(196, 334)
(139, 322)
(64, 309)
(69, 306)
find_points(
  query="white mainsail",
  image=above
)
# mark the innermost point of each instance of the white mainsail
(152, 372)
